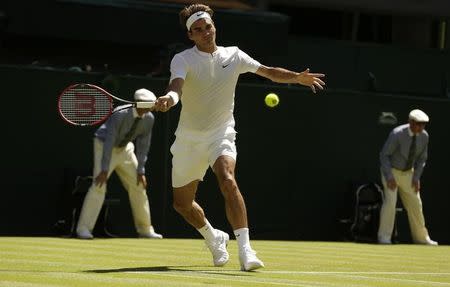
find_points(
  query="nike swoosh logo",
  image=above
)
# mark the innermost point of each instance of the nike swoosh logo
(199, 14)
(224, 66)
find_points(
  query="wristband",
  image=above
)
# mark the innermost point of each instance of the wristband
(175, 97)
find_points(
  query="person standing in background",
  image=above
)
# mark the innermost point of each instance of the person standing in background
(114, 151)
(403, 159)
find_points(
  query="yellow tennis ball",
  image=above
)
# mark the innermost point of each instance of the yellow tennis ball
(272, 100)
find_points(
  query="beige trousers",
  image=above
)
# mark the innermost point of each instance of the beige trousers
(411, 202)
(124, 162)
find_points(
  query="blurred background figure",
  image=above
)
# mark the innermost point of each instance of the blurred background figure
(403, 158)
(114, 151)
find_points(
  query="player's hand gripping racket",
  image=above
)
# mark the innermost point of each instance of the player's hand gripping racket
(88, 105)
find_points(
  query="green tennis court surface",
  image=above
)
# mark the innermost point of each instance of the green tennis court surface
(39, 261)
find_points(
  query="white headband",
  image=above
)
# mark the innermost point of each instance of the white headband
(194, 17)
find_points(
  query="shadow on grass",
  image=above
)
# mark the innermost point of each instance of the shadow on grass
(169, 269)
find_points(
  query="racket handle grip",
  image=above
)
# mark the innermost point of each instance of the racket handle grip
(145, 105)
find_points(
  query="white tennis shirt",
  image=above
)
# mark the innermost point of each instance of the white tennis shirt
(209, 85)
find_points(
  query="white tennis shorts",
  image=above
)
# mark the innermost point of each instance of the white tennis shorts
(193, 155)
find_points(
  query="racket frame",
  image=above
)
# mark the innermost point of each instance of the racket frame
(139, 105)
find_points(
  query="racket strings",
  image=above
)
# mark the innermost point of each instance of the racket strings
(85, 105)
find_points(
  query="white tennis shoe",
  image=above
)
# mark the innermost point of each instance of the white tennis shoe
(248, 259)
(384, 240)
(84, 234)
(218, 248)
(428, 241)
(152, 235)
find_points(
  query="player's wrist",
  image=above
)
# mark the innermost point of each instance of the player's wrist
(174, 96)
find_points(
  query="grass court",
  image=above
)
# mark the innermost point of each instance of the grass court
(45, 261)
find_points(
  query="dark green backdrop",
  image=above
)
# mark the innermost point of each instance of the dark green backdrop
(296, 167)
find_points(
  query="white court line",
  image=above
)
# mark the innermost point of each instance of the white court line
(355, 272)
(262, 281)
(305, 272)
(213, 275)
(296, 282)
(397, 280)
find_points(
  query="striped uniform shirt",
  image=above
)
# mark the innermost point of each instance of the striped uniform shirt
(396, 149)
(113, 131)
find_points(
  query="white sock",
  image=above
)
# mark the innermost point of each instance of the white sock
(242, 237)
(207, 231)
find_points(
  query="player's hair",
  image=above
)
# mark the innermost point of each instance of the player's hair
(191, 9)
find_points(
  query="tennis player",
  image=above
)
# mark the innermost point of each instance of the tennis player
(114, 151)
(204, 77)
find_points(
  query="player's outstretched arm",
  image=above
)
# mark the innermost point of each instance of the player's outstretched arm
(280, 75)
(171, 98)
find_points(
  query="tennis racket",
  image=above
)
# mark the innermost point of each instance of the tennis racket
(89, 105)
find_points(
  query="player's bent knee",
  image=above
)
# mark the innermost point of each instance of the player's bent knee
(228, 185)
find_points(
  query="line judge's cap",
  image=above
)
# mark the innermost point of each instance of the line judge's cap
(418, 116)
(144, 95)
